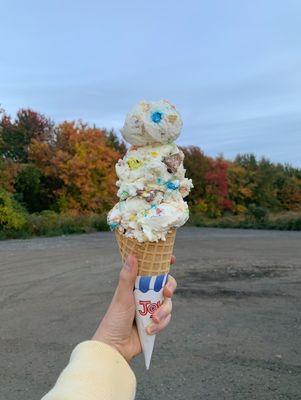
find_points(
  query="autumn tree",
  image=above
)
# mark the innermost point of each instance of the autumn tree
(210, 193)
(240, 188)
(83, 166)
(216, 194)
(197, 164)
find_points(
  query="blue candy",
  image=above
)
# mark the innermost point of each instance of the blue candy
(156, 117)
(172, 185)
(113, 225)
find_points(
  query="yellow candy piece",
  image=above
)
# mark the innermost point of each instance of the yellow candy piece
(133, 163)
(133, 217)
(154, 153)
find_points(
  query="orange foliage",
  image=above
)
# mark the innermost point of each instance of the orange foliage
(84, 165)
(8, 172)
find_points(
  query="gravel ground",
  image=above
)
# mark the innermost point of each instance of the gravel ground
(236, 323)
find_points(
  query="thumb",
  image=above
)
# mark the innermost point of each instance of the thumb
(127, 277)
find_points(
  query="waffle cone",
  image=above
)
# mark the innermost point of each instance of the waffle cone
(153, 257)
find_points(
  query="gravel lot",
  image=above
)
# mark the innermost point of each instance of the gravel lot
(236, 324)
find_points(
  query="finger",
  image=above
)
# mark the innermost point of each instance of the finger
(152, 329)
(172, 260)
(127, 279)
(163, 311)
(170, 287)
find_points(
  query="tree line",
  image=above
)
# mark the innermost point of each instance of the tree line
(68, 168)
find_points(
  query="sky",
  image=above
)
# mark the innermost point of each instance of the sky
(231, 67)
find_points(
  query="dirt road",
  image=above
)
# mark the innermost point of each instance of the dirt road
(236, 325)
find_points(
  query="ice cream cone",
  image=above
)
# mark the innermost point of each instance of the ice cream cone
(153, 267)
(153, 257)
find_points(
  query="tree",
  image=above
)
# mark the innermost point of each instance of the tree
(114, 142)
(83, 166)
(8, 172)
(33, 189)
(12, 216)
(216, 194)
(210, 193)
(197, 165)
(16, 136)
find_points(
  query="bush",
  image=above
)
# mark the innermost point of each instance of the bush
(12, 215)
(290, 221)
(15, 223)
(258, 213)
(50, 223)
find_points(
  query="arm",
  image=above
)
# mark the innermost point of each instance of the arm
(98, 369)
(95, 371)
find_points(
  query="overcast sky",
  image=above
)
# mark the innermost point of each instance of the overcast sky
(232, 67)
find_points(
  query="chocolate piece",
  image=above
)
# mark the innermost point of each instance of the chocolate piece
(173, 162)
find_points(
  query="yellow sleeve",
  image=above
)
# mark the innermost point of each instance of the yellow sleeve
(95, 371)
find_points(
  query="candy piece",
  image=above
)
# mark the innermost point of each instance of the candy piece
(173, 185)
(156, 116)
(113, 225)
(124, 195)
(148, 196)
(134, 163)
(173, 162)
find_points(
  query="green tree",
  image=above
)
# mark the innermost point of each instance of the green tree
(114, 142)
(15, 136)
(34, 190)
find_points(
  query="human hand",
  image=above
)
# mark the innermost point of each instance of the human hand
(117, 328)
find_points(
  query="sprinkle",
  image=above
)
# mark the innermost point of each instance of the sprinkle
(156, 116)
(153, 206)
(133, 217)
(154, 153)
(160, 181)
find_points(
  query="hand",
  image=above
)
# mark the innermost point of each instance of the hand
(118, 328)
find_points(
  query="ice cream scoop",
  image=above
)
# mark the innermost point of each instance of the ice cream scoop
(152, 185)
(152, 122)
